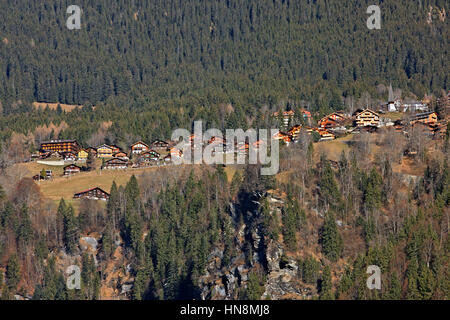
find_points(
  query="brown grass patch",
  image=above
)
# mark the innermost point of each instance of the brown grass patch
(332, 148)
(54, 106)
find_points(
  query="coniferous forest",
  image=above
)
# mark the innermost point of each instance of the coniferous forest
(137, 70)
(157, 57)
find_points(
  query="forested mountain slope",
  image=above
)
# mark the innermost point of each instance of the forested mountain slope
(242, 51)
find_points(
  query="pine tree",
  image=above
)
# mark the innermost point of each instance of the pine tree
(426, 282)
(13, 272)
(256, 282)
(71, 231)
(331, 240)
(60, 216)
(113, 206)
(395, 290)
(326, 285)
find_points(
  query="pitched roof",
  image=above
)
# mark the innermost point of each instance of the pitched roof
(104, 146)
(423, 115)
(91, 189)
(139, 142)
(116, 159)
(72, 165)
(371, 111)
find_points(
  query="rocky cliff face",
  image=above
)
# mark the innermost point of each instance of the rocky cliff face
(282, 273)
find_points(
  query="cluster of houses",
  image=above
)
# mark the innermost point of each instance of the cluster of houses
(161, 152)
(338, 123)
(113, 157)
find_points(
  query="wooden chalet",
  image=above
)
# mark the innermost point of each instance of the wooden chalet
(82, 155)
(294, 132)
(336, 119)
(176, 153)
(115, 164)
(440, 128)
(425, 117)
(105, 151)
(306, 114)
(92, 194)
(51, 156)
(367, 129)
(286, 116)
(325, 135)
(121, 155)
(69, 156)
(282, 136)
(150, 155)
(92, 150)
(168, 158)
(159, 145)
(367, 117)
(139, 147)
(115, 148)
(60, 146)
(71, 169)
(48, 176)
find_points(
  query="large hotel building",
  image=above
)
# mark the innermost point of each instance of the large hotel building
(60, 146)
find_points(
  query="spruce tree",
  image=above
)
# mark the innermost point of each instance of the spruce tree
(326, 285)
(13, 272)
(331, 240)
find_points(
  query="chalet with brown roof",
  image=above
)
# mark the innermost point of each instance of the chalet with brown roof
(115, 164)
(148, 157)
(440, 128)
(367, 117)
(71, 169)
(295, 131)
(92, 150)
(426, 118)
(306, 114)
(115, 148)
(324, 134)
(282, 136)
(105, 151)
(69, 156)
(336, 119)
(176, 153)
(82, 155)
(286, 116)
(159, 145)
(51, 156)
(168, 158)
(139, 147)
(121, 155)
(92, 194)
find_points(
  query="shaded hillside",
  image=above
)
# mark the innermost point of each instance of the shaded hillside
(240, 51)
